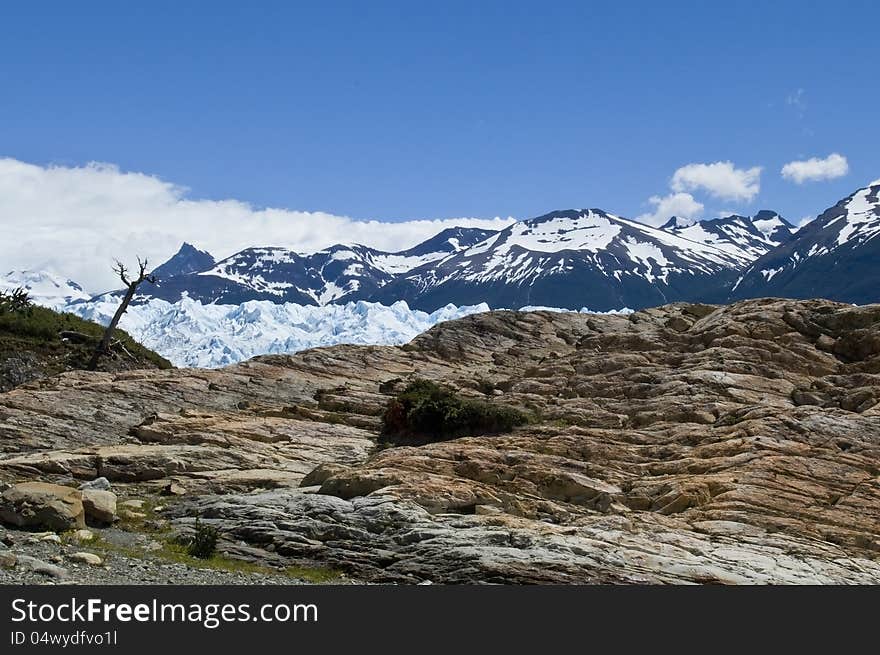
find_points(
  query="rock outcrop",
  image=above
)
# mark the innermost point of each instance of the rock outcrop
(687, 443)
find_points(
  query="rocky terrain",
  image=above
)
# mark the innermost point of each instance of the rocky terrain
(683, 444)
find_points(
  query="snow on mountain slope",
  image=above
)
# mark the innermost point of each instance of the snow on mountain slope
(338, 273)
(44, 288)
(834, 256)
(742, 237)
(190, 333)
(571, 259)
(450, 240)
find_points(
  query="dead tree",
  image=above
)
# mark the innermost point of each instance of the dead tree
(131, 288)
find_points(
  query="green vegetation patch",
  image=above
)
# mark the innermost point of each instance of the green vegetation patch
(61, 342)
(425, 412)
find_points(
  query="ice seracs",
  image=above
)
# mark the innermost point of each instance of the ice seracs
(190, 333)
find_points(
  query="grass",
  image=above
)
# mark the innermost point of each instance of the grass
(176, 551)
(37, 331)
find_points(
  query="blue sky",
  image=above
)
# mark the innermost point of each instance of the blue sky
(393, 110)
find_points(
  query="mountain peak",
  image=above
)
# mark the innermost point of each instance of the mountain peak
(677, 222)
(188, 259)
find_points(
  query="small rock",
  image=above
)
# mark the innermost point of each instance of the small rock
(7, 560)
(51, 537)
(130, 514)
(133, 503)
(100, 506)
(28, 563)
(86, 558)
(320, 473)
(98, 484)
(82, 536)
(173, 489)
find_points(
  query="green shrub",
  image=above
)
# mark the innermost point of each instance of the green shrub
(425, 412)
(203, 543)
(16, 301)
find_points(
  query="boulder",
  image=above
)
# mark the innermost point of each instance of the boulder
(82, 536)
(100, 506)
(42, 505)
(173, 489)
(101, 484)
(85, 558)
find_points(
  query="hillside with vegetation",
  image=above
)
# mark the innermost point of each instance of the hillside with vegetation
(36, 342)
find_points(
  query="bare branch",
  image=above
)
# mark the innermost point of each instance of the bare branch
(120, 270)
(142, 269)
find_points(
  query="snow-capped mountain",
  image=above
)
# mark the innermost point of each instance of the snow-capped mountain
(572, 258)
(340, 272)
(44, 287)
(835, 256)
(744, 238)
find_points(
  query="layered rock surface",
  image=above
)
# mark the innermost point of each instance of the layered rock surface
(688, 443)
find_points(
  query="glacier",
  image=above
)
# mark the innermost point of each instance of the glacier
(191, 334)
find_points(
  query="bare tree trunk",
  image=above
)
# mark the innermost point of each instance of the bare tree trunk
(104, 347)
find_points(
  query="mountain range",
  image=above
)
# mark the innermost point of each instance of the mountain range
(566, 259)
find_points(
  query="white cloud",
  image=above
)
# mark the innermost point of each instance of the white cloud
(682, 205)
(76, 220)
(720, 179)
(814, 169)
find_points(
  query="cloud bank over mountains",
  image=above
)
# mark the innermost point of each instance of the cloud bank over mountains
(76, 220)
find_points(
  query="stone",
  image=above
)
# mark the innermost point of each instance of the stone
(320, 473)
(51, 538)
(82, 536)
(8, 559)
(100, 506)
(28, 563)
(85, 558)
(133, 503)
(100, 484)
(173, 489)
(42, 505)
